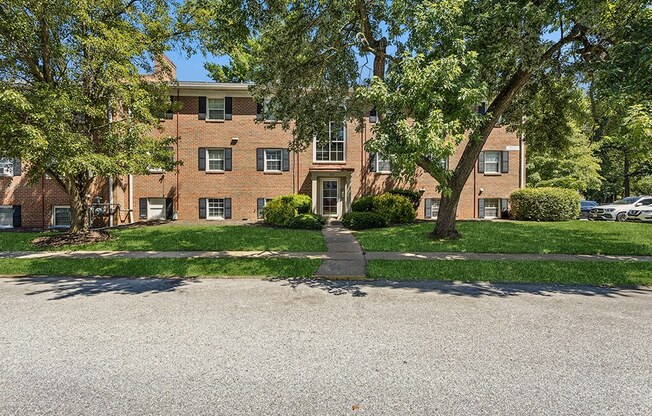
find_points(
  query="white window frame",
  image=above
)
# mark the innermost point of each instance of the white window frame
(329, 145)
(149, 207)
(486, 201)
(7, 166)
(279, 160)
(434, 202)
(54, 216)
(216, 201)
(215, 104)
(208, 159)
(11, 216)
(486, 154)
(379, 159)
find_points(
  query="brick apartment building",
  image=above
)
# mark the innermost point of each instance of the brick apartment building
(232, 165)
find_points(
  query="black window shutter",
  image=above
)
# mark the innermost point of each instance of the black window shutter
(480, 207)
(142, 205)
(17, 217)
(202, 208)
(373, 116)
(168, 113)
(372, 162)
(17, 167)
(201, 157)
(202, 108)
(504, 165)
(427, 208)
(227, 208)
(259, 111)
(260, 207)
(228, 108)
(482, 108)
(260, 160)
(169, 208)
(228, 159)
(481, 163)
(504, 207)
(285, 160)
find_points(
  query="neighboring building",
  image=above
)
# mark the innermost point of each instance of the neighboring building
(232, 165)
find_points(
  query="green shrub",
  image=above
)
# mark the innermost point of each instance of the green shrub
(363, 220)
(279, 211)
(413, 196)
(306, 222)
(396, 209)
(545, 204)
(302, 203)
(363, 204)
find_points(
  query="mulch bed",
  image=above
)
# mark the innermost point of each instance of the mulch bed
(65, 239)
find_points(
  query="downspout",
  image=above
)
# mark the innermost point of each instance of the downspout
(110, 200)
(175, 216)
(43, 201)
(475, 192)
(131, 198)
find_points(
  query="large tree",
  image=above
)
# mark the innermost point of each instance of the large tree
(73, 101)
(425, 66)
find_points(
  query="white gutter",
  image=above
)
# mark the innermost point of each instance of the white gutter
(131, 199)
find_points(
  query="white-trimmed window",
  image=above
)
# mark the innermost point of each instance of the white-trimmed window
(215, 208)
(492, 208)
(273, 160)
(492, 162)
(215, 109)
(6, 166)
(215, 159)
(434, 208)
(335, 149)
(6, 216)
(382, 164)
(61, 216)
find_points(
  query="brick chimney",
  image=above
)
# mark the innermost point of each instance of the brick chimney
(165, 68)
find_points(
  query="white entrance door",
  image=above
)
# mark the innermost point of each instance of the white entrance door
(156, 209)
(330, 197)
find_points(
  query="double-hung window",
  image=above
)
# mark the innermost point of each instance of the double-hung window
(382, 164)
(434, 208)
(61, 216)
(215, 208)
(6, 216)
(491, 208)
(492, 162)
(6, 166)
(215, 158)
(335, 149)
(273, 160)
(216, 109)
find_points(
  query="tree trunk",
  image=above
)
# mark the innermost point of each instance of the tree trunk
(445, 227)
(78, 208)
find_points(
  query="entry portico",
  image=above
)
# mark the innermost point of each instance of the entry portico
(331, 191)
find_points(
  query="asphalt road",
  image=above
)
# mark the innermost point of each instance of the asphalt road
(286, 347)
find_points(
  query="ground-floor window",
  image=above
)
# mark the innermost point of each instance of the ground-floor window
(6, 216)
(215, 208)
(491, 208)
(262, 202)
(431, 206)
(61, 216)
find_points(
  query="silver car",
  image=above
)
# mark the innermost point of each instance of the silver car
(618, 211)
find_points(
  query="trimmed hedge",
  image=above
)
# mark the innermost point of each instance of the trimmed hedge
(545, 204)
(396, 209)
(363, 220)
(281, 210)
(363, 204)
(413, 196)
(306, 222)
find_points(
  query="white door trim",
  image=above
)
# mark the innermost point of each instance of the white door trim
(338, 205)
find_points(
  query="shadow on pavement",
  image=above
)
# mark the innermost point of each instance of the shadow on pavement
(67, 287)
(476, 290)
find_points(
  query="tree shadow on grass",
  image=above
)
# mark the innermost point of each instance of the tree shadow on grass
(68, 287)
(462, 289)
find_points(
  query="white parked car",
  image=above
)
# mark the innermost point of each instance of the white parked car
(617, 211)
(642, 213)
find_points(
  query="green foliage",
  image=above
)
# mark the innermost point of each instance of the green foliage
(396, 209)
(362, 220)
(363, 204)
(279, 211)
(412, 195)
(545, 204)
(306, 222)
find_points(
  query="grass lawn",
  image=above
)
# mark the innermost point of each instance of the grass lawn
(572, 237)
(160, 267)
(545, 272)
(188, 237)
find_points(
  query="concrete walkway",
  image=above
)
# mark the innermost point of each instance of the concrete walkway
(346, 258)
(381, 255)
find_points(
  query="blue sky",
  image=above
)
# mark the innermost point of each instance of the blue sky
(192, 69)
